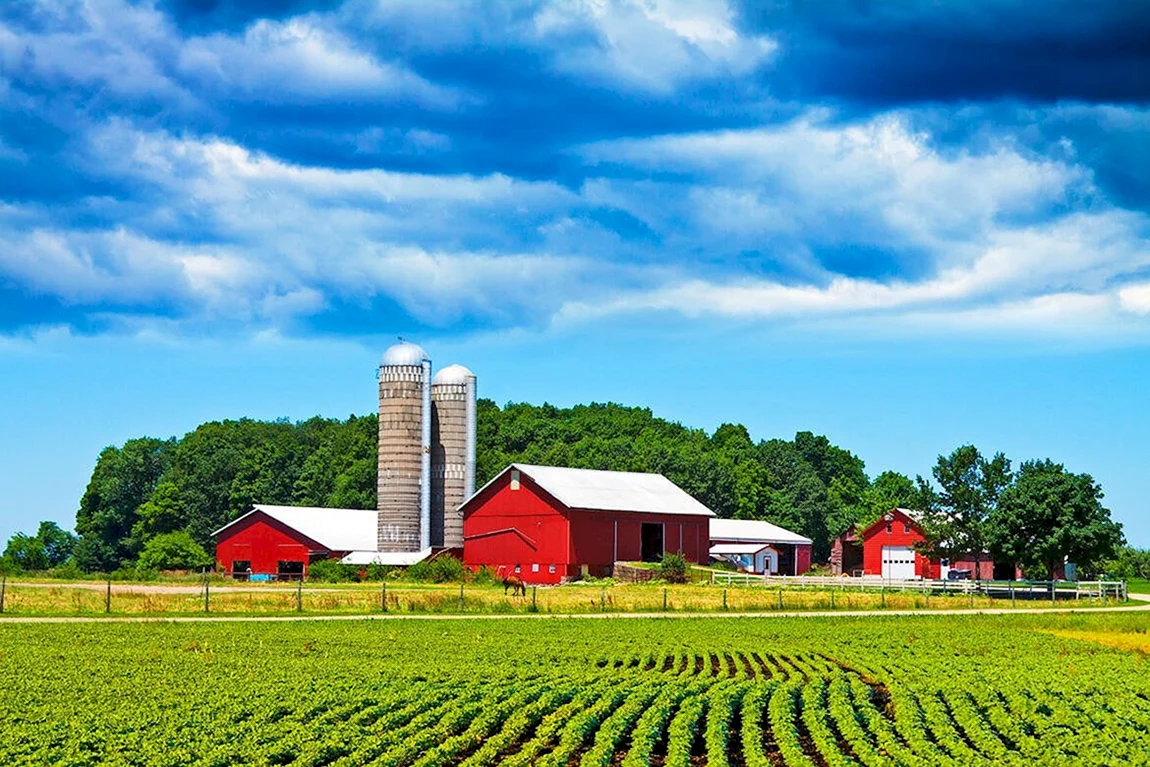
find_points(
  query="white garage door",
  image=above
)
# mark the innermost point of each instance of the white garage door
(897, 562)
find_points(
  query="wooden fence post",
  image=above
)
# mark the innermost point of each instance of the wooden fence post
(832, 599)
(108, 596)
(970, 599)
(602, 599)
(461, 597)
(780, 597)
(3, 589)
(533, 607)
(383, 596)
(724, 599)
(299, 595)
(882, 595)
(205, 593)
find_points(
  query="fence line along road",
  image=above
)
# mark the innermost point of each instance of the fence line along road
(1142, 599)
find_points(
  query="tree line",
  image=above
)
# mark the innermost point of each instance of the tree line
(155, 502)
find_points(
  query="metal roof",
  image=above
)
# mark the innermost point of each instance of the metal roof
(752, 531)
(404, 353)
(392, 558)
(335, 529)
(452, 374)
(611, 490)
(720, 549)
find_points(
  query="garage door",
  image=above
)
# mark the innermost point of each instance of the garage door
(897, 562)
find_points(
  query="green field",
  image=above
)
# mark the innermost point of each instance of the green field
(1034, 689)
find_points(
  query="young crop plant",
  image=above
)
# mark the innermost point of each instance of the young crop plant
(684, 727)
(615, 728)
(722, 703)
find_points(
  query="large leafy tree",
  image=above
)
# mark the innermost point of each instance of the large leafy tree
(124, 478)
(49, 547)
(1049, 516)
(957, 519)
(890, 490)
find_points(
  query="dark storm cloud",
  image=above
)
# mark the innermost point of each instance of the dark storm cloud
(200, 16)
(891, 53)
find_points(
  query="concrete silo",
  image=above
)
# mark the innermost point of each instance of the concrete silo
(404, 481)
(452, 452)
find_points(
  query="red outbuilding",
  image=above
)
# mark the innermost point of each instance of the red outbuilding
(547, 524)
(888, 548)
(281, 541)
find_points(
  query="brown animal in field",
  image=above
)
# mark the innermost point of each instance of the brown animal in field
(513, 582)
(516, 584)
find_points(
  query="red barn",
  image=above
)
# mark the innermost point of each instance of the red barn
(548, 524)
(281, 541)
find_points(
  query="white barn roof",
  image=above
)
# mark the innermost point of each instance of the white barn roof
(390, 558)
(611, 490)
(752, 531)
(720, 549)
(335, 529)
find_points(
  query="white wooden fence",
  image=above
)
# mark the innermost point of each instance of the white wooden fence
(1000, 589)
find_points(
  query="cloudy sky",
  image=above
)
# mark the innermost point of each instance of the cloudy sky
(905, 225)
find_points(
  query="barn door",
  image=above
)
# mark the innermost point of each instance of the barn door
(652, 541)
(898, 562)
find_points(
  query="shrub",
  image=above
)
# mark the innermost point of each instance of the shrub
(68, 571)
(485, 576)
(332, 571)
(443, 569)
(173, 551)
(673, 568)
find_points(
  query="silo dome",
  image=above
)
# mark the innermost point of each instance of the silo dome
(452, 374)
(404, 353)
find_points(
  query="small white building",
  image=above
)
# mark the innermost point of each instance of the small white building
(759, 547)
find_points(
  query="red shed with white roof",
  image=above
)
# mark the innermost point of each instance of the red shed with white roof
(547, 524)
(281, 541)
(760, 547)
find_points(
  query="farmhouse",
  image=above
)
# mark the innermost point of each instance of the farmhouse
(759, 547)
(548, 524)
(886, 548)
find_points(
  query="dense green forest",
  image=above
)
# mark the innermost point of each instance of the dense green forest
(158, 500)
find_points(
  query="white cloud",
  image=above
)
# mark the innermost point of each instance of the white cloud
(300, 59)
(649, 44)
(1136, 298)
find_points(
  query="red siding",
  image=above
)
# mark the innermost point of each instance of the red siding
(525, 528)
(264, 541)
(803, 557)
(903, 532)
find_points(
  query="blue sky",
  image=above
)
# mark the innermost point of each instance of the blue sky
(904, 225)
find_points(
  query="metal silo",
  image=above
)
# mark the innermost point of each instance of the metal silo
(404, 481)
(452, 452)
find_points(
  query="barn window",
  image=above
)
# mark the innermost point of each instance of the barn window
(515, 479)
(905, 527)
(889, 528)
(535, 568)
(518, 569)
(241, 569)
(551, 569)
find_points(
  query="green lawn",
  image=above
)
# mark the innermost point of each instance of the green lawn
(1138, 586)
